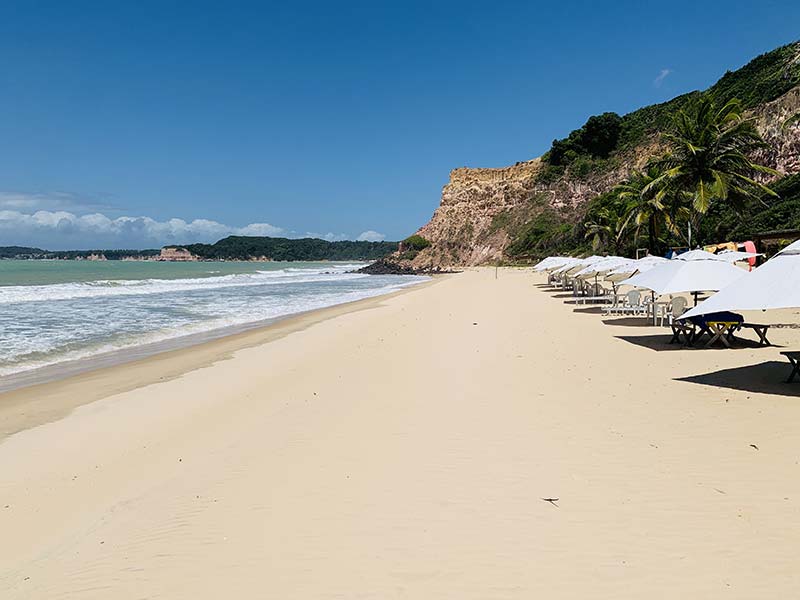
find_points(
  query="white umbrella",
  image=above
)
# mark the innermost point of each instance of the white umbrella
(775, 284)
(637, 266)
(584, 262)
(603, 266)
(678, 276)
(550, 262)
(736, 255)
(698, 255)
(563, 268)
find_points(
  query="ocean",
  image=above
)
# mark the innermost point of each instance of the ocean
(58, 312)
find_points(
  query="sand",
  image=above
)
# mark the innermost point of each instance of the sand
(404, 450)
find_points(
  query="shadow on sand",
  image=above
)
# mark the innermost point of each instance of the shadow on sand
(765, 378)
(589, 310)
(633, 322)
(660, 342)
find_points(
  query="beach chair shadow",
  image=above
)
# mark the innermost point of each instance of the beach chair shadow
(764, 378)
(629, 322)
(589, 310)
(658, 342)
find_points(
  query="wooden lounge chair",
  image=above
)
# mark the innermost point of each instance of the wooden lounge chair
(761, 331)
(794, 359)
(682, 332)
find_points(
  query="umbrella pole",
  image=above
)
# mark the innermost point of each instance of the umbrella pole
(653, 304)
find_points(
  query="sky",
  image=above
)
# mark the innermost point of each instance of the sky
(137, 124)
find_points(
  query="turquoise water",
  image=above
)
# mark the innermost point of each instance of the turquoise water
(43, 272)
(53, 312)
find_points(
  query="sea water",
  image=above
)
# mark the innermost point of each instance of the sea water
(54, 312)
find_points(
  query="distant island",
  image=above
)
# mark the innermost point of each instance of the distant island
(232, 248)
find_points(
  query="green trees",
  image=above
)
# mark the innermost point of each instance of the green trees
(649, 211)
(710, 159)
(597, 139)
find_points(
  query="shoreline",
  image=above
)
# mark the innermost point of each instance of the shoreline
(48, 393)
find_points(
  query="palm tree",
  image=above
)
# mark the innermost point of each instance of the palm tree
(710, 159)
(607, 226)
(644, 209)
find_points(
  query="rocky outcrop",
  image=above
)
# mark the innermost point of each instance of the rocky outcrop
(389, 266)
(467, 227)
(172, 254)
(783, 152)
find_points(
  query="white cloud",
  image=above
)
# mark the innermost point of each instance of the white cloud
(330, 236)
(49, 201)
(61, 229)
(59, 220)
(64, 229)
(661, 77)
(370, 236)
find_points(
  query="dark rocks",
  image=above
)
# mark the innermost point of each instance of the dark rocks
(386, 266)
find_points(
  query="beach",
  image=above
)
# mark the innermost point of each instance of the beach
(470, 437)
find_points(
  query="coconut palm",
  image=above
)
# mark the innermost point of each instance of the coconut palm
(606, 227)
(644, 208)
(710, 159)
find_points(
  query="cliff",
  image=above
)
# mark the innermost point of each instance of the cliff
(482, 210)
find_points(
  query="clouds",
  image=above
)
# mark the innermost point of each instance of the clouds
(63, 229)
(49, 201)
(370, 236)
(661, 77)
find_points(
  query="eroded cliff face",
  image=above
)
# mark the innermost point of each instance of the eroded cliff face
(466, 230)
(783, 153)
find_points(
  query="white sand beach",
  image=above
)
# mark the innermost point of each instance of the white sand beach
(404, 447)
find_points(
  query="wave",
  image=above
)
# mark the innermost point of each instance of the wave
(136, 287)
(44, 353)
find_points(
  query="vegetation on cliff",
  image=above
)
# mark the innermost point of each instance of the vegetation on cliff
(232, 248)
(305, 249)
(694, 164)
(603, 138)
(24, 252)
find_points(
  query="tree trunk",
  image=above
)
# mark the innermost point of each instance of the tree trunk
(651, 235)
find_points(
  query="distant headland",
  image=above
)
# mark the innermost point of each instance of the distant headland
(232, 248)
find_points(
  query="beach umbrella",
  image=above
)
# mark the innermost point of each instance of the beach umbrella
(564, 267)
(775, 284)
(550, 262)
(737, 256)
(603, 266)
(679, 276)
(583, 262)
(636, 266)
(698, 255)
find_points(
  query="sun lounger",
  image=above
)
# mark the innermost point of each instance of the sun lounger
(682, 332)
(794, 359)
(761, 330)
(719, 326)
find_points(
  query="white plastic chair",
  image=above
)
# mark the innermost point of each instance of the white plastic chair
(677, 306)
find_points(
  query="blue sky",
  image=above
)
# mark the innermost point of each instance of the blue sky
(143, 123)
